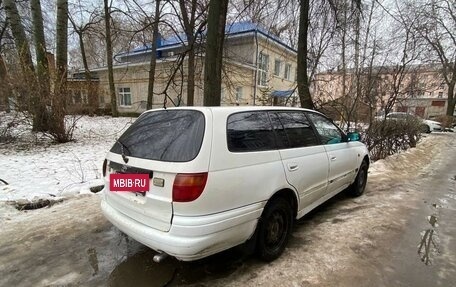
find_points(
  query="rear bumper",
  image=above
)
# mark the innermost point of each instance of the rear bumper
(191, 238)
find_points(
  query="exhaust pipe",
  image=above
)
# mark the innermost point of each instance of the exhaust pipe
(158, 258)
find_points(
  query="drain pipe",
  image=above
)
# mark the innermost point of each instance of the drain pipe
(256, 67)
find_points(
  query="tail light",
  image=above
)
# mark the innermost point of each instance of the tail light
(188, 186)
(105, 163)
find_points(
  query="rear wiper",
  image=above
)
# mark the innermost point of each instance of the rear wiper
(122, 146)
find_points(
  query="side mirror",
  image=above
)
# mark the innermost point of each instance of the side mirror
(353, 137)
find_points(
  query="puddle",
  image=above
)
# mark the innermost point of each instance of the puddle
(93, 260)
(435, 205)
(433, 220)
(32, 205)
(140, 269)
(429, 241)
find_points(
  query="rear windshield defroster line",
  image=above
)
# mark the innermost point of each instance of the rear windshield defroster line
(168, 135)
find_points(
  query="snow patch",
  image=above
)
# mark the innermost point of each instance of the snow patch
(49, 171)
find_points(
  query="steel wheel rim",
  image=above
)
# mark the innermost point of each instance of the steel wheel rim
(276, 229)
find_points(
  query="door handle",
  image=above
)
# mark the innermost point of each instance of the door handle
(293, 167)
(333, 158)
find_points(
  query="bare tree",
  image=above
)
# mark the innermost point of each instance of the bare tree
(214, 52)
(437, 26)
(82, 28)
(40, 98)
(189, 18)
(22, 47)
(57, 122)
(302, 78)
(153, 55)
(5, 90)
(112, 88)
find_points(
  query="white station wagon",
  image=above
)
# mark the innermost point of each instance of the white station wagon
(222, 176)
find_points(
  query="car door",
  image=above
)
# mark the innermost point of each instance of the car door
(342, 156)
(304, 160)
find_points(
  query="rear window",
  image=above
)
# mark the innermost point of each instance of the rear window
(250, 131)
(168, 135)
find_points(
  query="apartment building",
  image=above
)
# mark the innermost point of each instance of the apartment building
(418, 89)
(257, 68)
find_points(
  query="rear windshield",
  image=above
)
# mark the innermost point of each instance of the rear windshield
(168, 135)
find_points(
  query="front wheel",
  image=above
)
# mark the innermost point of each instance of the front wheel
(425, 129)
(359, 185)
(274, 229)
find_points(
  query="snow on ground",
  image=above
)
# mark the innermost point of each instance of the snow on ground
(58, 170)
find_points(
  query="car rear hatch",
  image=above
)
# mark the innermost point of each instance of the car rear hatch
(162, 144)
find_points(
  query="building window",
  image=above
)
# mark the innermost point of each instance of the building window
(440, 95)
(277, 67)
(238, 94)
(124, 97)
(102, 99)
(85, 97)
(438, 103)
(442, 85)
(287, 74)
(79, 97)
(296, 74)
(263, 66)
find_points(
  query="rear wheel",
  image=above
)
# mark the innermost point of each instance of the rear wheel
(274, 229)
(357, 188)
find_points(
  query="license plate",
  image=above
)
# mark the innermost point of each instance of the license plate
(130, 182)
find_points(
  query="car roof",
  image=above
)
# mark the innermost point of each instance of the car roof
(224, 110)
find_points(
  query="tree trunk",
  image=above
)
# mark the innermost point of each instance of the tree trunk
(451, 90)
(23, 49)
(189, 27)
(40, 98)
(60, 92)
(214, 52)
(191, 76)
(112, 88)
(153, 56)
(5, 92)
(451, 100)
(302, 78)
(344, 97)
(93, 101)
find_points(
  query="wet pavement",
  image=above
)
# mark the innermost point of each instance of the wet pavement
(400, 233)
(424, 254)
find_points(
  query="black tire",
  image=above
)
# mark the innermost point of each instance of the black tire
(359, 185)
(426, 129)
(274, 229)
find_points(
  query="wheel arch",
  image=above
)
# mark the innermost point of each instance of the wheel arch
(289, 195)
(367, 160)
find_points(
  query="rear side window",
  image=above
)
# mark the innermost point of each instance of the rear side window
(168, 135)
(250, 131)
(295, 130)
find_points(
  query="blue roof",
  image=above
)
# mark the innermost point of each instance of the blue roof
(282, 94)
(230, 29)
